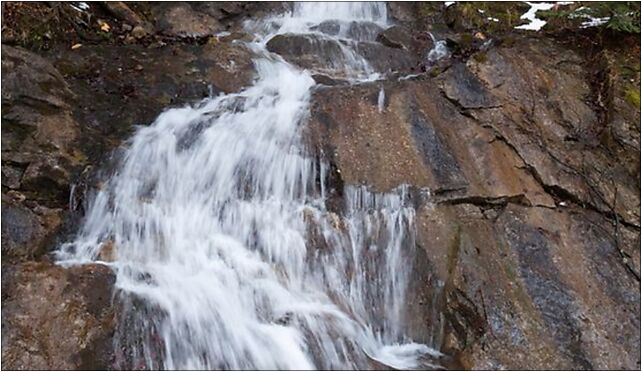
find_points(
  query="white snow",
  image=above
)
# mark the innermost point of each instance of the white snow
(593, 22)
(590, 20)
(535, 23)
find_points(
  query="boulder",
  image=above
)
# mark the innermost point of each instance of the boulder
(402, 11)
(332, 27)
(307, 51)
(359, 31)
(327, 56)
(229, 66)
(402, 38)
(39, 131)
(183, 19)
(26, 232)
(56, 318)
(363, 31)
(179, 19)
(121, 11)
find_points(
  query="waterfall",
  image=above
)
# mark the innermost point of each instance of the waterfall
(225, 252)
(381, 100)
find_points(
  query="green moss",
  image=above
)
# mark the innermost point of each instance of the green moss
(489, 17)
(78, 157)
(453, 251)
(632, 95)
(623, 16)
(466, 41)
(628, 71)
(428, 8)
(481, 57)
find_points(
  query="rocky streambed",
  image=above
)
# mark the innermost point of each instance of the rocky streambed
(528, 242)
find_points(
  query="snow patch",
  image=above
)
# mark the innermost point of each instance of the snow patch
(535, 23)
(594, 22)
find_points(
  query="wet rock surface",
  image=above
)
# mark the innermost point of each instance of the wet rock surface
(56, 318)
(303, 50)
(529, 241)
(510, 298)
(528, 260)
(64, 113)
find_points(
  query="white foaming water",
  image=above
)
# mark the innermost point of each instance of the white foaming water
(342, 11)
(226, 255)
(438, 51)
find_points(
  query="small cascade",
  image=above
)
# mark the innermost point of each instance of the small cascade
(226, 254)
(438, 51)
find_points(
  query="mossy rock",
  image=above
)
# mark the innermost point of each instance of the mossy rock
(491, 18)
(632, 95)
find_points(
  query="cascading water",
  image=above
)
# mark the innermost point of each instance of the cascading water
(226, 255)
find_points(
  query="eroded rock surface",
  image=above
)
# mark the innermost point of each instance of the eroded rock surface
(529, 261)
(56, 318)
(323, 55)
(64, 113)
(530, 236)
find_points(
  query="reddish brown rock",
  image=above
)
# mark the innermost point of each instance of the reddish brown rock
(56, 318)
(546, 117)
(419, 138)
(526, 261)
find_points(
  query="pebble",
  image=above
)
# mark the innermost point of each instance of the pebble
(139, 32)
(15, 195)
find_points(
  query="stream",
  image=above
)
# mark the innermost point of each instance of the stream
(226, 253)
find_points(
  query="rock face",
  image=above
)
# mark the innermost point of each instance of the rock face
(143, 81)
(530, 238)
(39, 152)
(181, 20)
(26, 231)
(54, 318)
(574, 163)
(56, 124)
(303, 50)
(528, 259)
(64, 112)
(38, 128)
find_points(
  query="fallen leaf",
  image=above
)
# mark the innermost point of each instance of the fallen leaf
(76, 46)
(105, 27)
